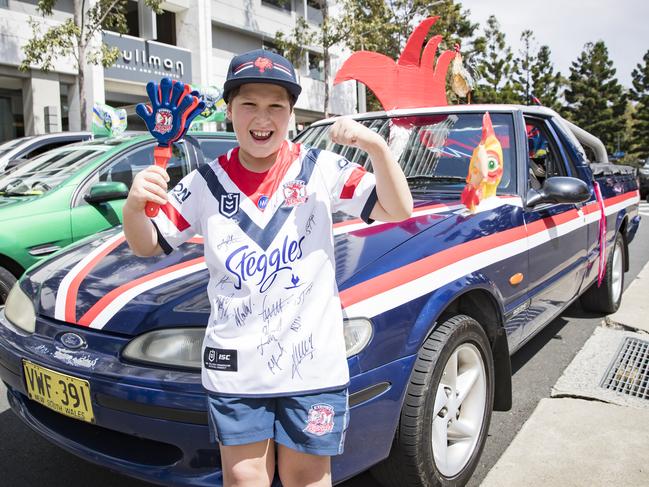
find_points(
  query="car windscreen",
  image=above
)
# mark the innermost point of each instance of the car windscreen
(46, 172)
(12, 144)
(212, 148)
(434, 151)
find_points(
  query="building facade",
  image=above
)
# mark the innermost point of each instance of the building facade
(192, 41)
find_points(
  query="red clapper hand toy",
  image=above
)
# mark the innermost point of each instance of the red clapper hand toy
(167, 118)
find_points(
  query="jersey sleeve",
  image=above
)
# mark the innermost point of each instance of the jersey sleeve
(351, 187)
(180, 219)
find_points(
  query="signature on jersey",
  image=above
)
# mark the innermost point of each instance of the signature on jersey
(250, 265)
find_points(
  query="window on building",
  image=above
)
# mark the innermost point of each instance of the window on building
(165, 24)
(4, 3)
(314, 11)
(166, 28)
(132, 23)
(316, 66)
(283, 4)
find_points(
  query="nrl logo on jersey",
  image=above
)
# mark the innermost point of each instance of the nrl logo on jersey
(229, 204)
(163, 121)
(294, 193)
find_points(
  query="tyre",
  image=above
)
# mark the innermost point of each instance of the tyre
(446, 412)
(7, 280)
(607, 297)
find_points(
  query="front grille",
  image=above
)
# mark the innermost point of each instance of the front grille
(112, 443)
(629, 371)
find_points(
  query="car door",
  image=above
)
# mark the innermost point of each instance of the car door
(87, 219)
(557, 233)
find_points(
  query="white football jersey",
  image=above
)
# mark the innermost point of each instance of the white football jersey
(276, 325)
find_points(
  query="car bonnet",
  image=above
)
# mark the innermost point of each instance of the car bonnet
(100, 284)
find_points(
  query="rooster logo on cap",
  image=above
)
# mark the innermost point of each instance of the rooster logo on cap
(263, 63)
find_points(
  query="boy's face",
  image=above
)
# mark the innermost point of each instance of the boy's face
(260, 114)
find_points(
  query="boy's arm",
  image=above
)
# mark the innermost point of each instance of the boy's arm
(394, 201)
(148, 185)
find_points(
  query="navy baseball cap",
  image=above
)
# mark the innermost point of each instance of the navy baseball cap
(261, 66)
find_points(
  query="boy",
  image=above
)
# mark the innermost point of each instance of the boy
(274, 358)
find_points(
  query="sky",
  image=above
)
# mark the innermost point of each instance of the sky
(566, 25)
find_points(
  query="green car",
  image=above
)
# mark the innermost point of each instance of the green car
(75, 191)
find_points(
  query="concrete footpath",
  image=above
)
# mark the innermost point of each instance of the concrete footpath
(594, 428)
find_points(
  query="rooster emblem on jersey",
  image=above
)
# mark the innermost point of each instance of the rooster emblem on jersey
(485, 168)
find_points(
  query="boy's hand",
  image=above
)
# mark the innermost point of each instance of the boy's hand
(148, 185)
(346, 131)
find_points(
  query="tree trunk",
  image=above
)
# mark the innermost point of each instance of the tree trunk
(325, 46)
(79, 6)
(81, 83)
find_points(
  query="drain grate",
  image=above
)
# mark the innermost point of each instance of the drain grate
(629, 371)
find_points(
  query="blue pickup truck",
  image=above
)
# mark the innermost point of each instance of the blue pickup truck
(100, 351)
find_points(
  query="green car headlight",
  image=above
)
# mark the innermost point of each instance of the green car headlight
(19, 309)
(172, 347)
(358, 333)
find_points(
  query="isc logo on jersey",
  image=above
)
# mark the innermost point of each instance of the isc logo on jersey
(294, 193)
(163, 121)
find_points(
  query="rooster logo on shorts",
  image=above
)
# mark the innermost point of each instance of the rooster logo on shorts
(320, 420)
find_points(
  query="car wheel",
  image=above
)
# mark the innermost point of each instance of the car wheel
(607, 297)
(7, 280)
(446, 412)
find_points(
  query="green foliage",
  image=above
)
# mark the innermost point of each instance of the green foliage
(74, 36)
(292, 44)
(43, 49)
(639, 146)
(595, 98)
(496, 68)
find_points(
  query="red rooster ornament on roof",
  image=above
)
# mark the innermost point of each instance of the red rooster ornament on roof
(415, 80)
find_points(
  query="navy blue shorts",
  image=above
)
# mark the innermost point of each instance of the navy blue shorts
(314, 424)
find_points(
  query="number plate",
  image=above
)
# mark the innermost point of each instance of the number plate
(61, 393)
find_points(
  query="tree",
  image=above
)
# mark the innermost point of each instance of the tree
(77, 37)
(595, 98)
(546, 83)
(524, 63)
(293, 44)
(496, 67)
(534, 75)
(639, 146)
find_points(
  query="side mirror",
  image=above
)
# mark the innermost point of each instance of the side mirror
(559, 189)
(106, 191)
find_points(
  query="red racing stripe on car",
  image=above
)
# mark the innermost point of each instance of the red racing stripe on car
(71, 295)
(99, 306)
(397, 277)
(420, 268)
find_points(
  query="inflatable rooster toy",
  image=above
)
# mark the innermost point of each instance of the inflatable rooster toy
(485, 168)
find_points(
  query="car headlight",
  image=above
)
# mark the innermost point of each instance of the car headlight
(19, 309)
(181, 347)
(174, 347)
(358, 333)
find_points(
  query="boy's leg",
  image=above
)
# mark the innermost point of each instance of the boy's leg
(251, 465)
(297, 469)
